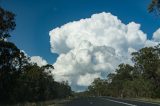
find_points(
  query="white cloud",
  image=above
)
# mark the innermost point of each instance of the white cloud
(150, 43)
(94, 47)
(38, 60)
(101, 29)
(156, 35)
(85, 80)
(155, 39)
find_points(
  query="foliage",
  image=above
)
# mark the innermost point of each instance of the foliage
(154, 6)
(7, 23)
(20, 80)
(11, 62)
(97, 87)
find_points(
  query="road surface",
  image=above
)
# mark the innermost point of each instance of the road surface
(107, 101)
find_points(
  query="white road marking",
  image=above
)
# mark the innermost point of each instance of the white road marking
(119, 102)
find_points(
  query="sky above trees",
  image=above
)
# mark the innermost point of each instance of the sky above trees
(80, 48)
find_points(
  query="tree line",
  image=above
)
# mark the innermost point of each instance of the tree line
(21, 80)
(140, 80)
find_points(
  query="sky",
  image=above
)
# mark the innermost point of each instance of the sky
(35, 18)
(98, 34)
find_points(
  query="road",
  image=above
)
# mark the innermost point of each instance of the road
(106, 101)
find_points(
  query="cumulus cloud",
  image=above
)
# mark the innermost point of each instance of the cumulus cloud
(35, 59)
(93, 47)
(100, 29)
(155, 39)
(85, 80)
(38, 60)
(156, 35)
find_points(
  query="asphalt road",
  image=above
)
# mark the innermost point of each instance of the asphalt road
(107, 101)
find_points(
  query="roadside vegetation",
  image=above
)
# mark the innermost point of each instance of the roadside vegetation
(20, 80)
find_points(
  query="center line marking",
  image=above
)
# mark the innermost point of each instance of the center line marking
(119, 102)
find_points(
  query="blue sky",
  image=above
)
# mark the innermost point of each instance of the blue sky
(35, 18)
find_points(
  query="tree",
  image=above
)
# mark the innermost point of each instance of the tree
(98, 87)
(147, 63)
(154, 6)
(7, 23)
(34, 84)
(20, 80)
(117, 81)
(12, 60)
(62, 89)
